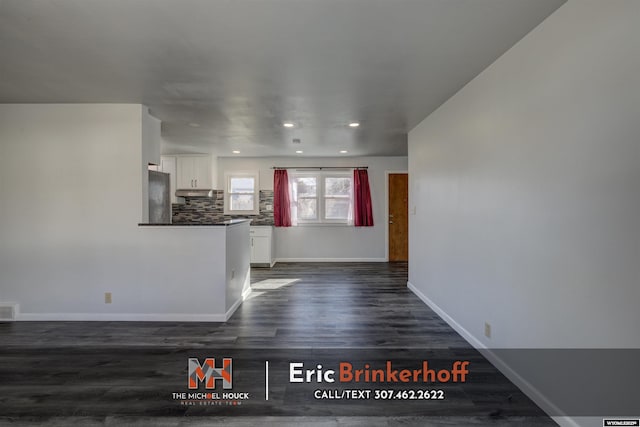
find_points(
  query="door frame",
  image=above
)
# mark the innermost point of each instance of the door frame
(386, 209)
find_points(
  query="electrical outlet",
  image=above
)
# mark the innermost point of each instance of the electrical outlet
(233, 274)
(107, 297)
(487, 330)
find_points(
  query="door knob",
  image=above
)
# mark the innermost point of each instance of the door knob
(390, 222)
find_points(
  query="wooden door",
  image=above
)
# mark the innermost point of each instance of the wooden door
(398, 217)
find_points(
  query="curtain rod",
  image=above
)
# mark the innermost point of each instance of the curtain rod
(320, 167)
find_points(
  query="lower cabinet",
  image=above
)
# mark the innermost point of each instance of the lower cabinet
(261, 242)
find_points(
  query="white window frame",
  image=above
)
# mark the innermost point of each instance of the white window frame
(321, 176)
(256, 192)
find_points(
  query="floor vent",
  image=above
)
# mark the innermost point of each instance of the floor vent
(8, 312)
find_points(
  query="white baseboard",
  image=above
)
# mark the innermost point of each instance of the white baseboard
(526, 387)
(440, 312)
(132, 317)
(246, 293)
(331, 260)
(234, 307)
(124, 317)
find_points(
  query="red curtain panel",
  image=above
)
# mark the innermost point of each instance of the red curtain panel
(281, 199)
(363, 212)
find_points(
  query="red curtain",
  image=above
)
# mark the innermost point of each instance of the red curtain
(363, 212)
(281, 199)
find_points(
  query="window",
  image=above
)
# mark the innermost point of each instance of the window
(241, 193)
(306, 190)
(337, 198)
(320, 198)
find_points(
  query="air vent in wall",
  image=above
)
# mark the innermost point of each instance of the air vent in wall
(8, 312)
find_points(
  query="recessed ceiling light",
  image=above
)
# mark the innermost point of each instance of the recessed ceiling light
(354, 124)
(236, 152)
(287, 125)
(343, 151)
(194, 125)
(298, 151)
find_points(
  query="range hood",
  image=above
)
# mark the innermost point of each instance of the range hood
(194, 193)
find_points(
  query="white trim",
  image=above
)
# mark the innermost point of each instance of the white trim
(331, 260)
(272, 263)
(133, 317)
(246, 293)
(264, 264)
(526, 387)
(234, 307)
(323, 224)
(123, 317)
(386, 210)
(440, 312)
(256, 192)
(321, 198)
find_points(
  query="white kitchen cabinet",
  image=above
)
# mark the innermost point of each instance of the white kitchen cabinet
(194, 172)
(261, 241)
(168, 165)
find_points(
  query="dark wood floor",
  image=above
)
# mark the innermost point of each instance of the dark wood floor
(119, 373)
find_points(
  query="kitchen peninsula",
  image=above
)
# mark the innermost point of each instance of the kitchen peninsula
(201, 270)
(78, 254)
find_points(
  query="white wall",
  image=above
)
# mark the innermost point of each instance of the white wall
(237, 261)
(318, 243)
(70, 192)
(525, 185)
(526, 188)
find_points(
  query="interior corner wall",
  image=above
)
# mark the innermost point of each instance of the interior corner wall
(526, 189)
(325, 243)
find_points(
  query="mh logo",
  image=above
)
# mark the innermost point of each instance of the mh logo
(208, 373)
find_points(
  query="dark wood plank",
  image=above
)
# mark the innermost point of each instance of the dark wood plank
(118, 373)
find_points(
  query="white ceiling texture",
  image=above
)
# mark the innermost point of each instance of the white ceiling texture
(224, 75)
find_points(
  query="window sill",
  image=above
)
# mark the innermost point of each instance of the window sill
(324, 224)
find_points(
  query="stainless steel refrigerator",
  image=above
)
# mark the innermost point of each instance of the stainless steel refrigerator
(159, 198)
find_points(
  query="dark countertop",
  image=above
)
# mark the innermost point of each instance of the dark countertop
(193, 224)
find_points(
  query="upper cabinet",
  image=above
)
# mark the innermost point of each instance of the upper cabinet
(194, 172)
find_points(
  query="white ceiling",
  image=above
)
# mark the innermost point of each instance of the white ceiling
(224, 75)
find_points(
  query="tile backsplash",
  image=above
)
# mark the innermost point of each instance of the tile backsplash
(204, 210)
